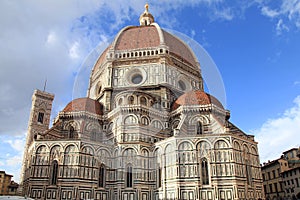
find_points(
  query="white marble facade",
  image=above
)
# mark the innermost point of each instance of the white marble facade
(147, 131)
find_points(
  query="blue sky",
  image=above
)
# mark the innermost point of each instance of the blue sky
(255, 45)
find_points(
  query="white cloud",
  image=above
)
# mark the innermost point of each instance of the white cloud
(73, 52)
(269, 12)
(51, 38)
(225, 14)
(14, 161)
(287, 13)
(279, 134)
(296, 82)
(281, 27)
(17, 143)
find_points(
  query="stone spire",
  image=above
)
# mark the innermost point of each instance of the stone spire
(146, 18)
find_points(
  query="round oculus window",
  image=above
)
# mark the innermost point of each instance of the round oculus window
(181, 85)
(136, 78)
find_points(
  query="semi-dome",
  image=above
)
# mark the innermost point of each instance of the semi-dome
(84, 104)
(196, 98)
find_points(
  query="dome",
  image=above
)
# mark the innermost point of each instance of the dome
(152, 36)
(84, 104)
(196, 98)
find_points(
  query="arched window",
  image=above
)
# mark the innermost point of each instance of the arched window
(145, 121)
(143, 101)
(199, 128)
(41, 117)
(130, 100)
(54, 172)
(94, 135)
(102, 176)
(120, 101)
(129, 176)
(204, 172)
(130, 120)
(71, 132)
(159, 177)
(248, 172)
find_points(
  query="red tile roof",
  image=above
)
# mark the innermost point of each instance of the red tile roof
(196, 98)
(139, 37)
(180, 49)
(84, 104)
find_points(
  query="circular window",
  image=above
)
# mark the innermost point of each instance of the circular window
(181, 85)
(136, 78)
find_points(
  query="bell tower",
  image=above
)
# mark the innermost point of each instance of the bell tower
(38, 123)
(39, 119)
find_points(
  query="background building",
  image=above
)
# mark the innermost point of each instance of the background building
(7, 186)
(281, 177)
(146, 130)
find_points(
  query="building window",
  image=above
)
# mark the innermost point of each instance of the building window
(94, 135)
(276, 187)
(130, 120)
(265, 188)
(248, 172)
(159, 177)
(204, 172)
(41, 117)
(71, 132)
(120, 101)
(199, 128)
(143, 101)
(129, 176)
(181, 85)
(130, 100)
(101, 176)
(54, 172)
(145, 121)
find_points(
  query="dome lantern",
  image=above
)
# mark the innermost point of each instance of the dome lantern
(146, 18)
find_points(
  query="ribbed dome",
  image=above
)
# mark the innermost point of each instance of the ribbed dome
(84, 104)
(196, 98)
(152, 36)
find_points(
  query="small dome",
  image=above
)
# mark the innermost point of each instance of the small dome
(196, 98)
(84, 104)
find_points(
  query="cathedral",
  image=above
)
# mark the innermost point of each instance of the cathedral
(146, 130)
